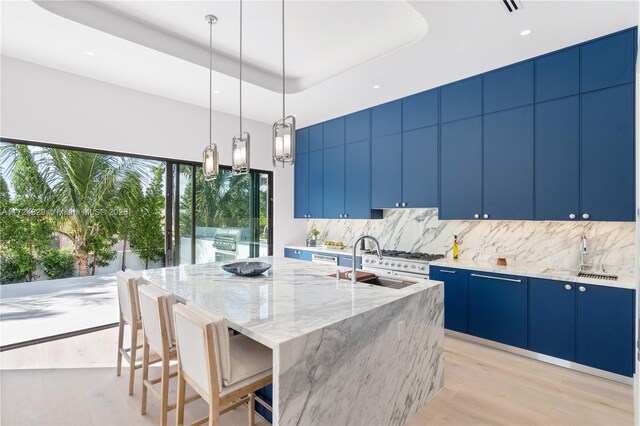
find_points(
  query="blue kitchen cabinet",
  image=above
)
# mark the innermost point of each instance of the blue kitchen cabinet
(386, 119)
(386, 171)
(315, 184)
(358, 126)
(316, 137)
(306, 255)
(334, 182)
(552, 318)
(557, 74)
(420, 110)
(557, 159)
(462, 99)
(347, 261)
(357, 203)
(607, 128)
(456, 297)
(461, 169)
(292, 253)
(498, 308)
(508, 87)
(301, 185)
(605, 328)
(266, 394)
(333, 133)
(508, 164)
(302, 140)
(420, 168)
(608, 61)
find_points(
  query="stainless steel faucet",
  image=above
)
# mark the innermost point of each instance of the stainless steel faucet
(353, 259)
(583, 253)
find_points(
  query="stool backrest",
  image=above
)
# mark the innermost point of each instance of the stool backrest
(156, 307)
(128, 296)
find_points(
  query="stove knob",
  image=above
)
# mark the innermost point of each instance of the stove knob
(386, 263)
(392, 264)
(406, 266)
(421, 268)
(413, 266)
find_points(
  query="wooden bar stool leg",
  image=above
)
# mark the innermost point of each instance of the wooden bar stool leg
(165, 390)
(145, 375)
(182, 384)
(252, 409)
(132, 355)
(120, 343)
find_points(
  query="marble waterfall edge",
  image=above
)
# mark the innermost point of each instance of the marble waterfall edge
(544, 243)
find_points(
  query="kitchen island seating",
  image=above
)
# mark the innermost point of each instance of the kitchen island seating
(224, 370)
(129, 315)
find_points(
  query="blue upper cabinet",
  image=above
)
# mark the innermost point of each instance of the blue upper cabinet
(508, 87)
(608, 186)
(420, 110)
(462, 99)
(301, 185)
(316, 136)
(386, 176)
(315, 184)
(386, 119)
(508, 164)
(557, 159)
(333, 189)
(358, 126)
(420, 168)
(608, 61)
(334, 133)
(461, 169)
(358, 182)
(302, 140)
(558, 74)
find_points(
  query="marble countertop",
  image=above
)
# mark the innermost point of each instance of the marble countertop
(292, 299)
(535, 271)
(345, 251)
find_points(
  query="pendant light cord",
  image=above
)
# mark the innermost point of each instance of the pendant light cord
(240, 68)
(210, 82)
(283, 69)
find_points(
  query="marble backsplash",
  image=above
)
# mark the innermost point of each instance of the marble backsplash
(548, 244)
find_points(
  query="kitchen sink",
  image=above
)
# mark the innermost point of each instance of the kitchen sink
(388, 282)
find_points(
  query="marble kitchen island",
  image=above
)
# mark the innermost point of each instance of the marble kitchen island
(342, 353)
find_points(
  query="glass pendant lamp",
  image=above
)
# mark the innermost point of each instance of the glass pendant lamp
(240, 152)
(210, 163)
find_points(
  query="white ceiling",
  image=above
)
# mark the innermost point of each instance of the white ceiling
(336, 51)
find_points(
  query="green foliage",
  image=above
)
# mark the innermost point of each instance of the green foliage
(146, 227)
(15, 265)
(58, 264)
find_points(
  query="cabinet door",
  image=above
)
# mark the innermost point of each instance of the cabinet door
(456, 298)
(606, 328)
(334, 133)
(557, 164)
(498, 308)
(291, 253)
(608, 188)
(333, 201)
(462, 99)
(386, 119)
(301, 185)
(508, 164)
(316, 135)
(386, 171)
(420, 167)
(558, 75)
(302, 140)
(552, 318)
(420, 110)
(461, 169)
(305, 255)
(357, 126)
(315, 184)
(347, 261)
(266, 394)
(608, 61)
(358, 180)
(508, 87)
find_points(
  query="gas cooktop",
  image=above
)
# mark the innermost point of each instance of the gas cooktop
(407, 255)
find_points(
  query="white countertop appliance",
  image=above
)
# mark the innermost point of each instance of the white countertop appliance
(396, 263)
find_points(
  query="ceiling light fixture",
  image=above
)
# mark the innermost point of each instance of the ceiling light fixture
(90, 53)
(240, 142)
(216, 92)
(525, 32)
(210, 153)
(284, 130)
(376, 86)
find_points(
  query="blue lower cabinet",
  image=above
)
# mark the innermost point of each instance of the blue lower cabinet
(306, 255)
(456, 298)
(552, 318)
(347, 261)
(266, 394)
(292, 253)
(605, 328)
(498, 308)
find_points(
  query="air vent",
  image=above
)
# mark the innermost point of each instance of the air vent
(598, 276)
(512, 5)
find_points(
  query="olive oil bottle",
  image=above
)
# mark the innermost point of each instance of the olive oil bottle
(455, 247)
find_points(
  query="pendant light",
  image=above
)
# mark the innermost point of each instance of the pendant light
(284, 130)
(240, 142)
(210, 155)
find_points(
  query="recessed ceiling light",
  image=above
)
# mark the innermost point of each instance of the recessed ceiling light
(90, 53)
(376, 86)
(525, 32)
(217, 92)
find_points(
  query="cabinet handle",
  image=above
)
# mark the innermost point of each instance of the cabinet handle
(567, 287)
(397, 204)
(476, 216)
(486, 215)
(340, 216)
(404, 204)
(582, 289)
(496, 278)
(572, 216)
(346, 215)
(446, 271)
(585, 216)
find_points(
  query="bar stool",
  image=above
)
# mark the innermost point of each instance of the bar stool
(156, 307)
(129, 315)
(225, 371)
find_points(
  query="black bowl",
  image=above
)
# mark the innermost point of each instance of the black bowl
(246, 269)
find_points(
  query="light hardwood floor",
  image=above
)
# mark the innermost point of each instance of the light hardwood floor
(73, 381)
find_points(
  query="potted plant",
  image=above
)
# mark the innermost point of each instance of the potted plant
(315, 233)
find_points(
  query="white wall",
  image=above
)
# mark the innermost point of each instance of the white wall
(47, 105)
